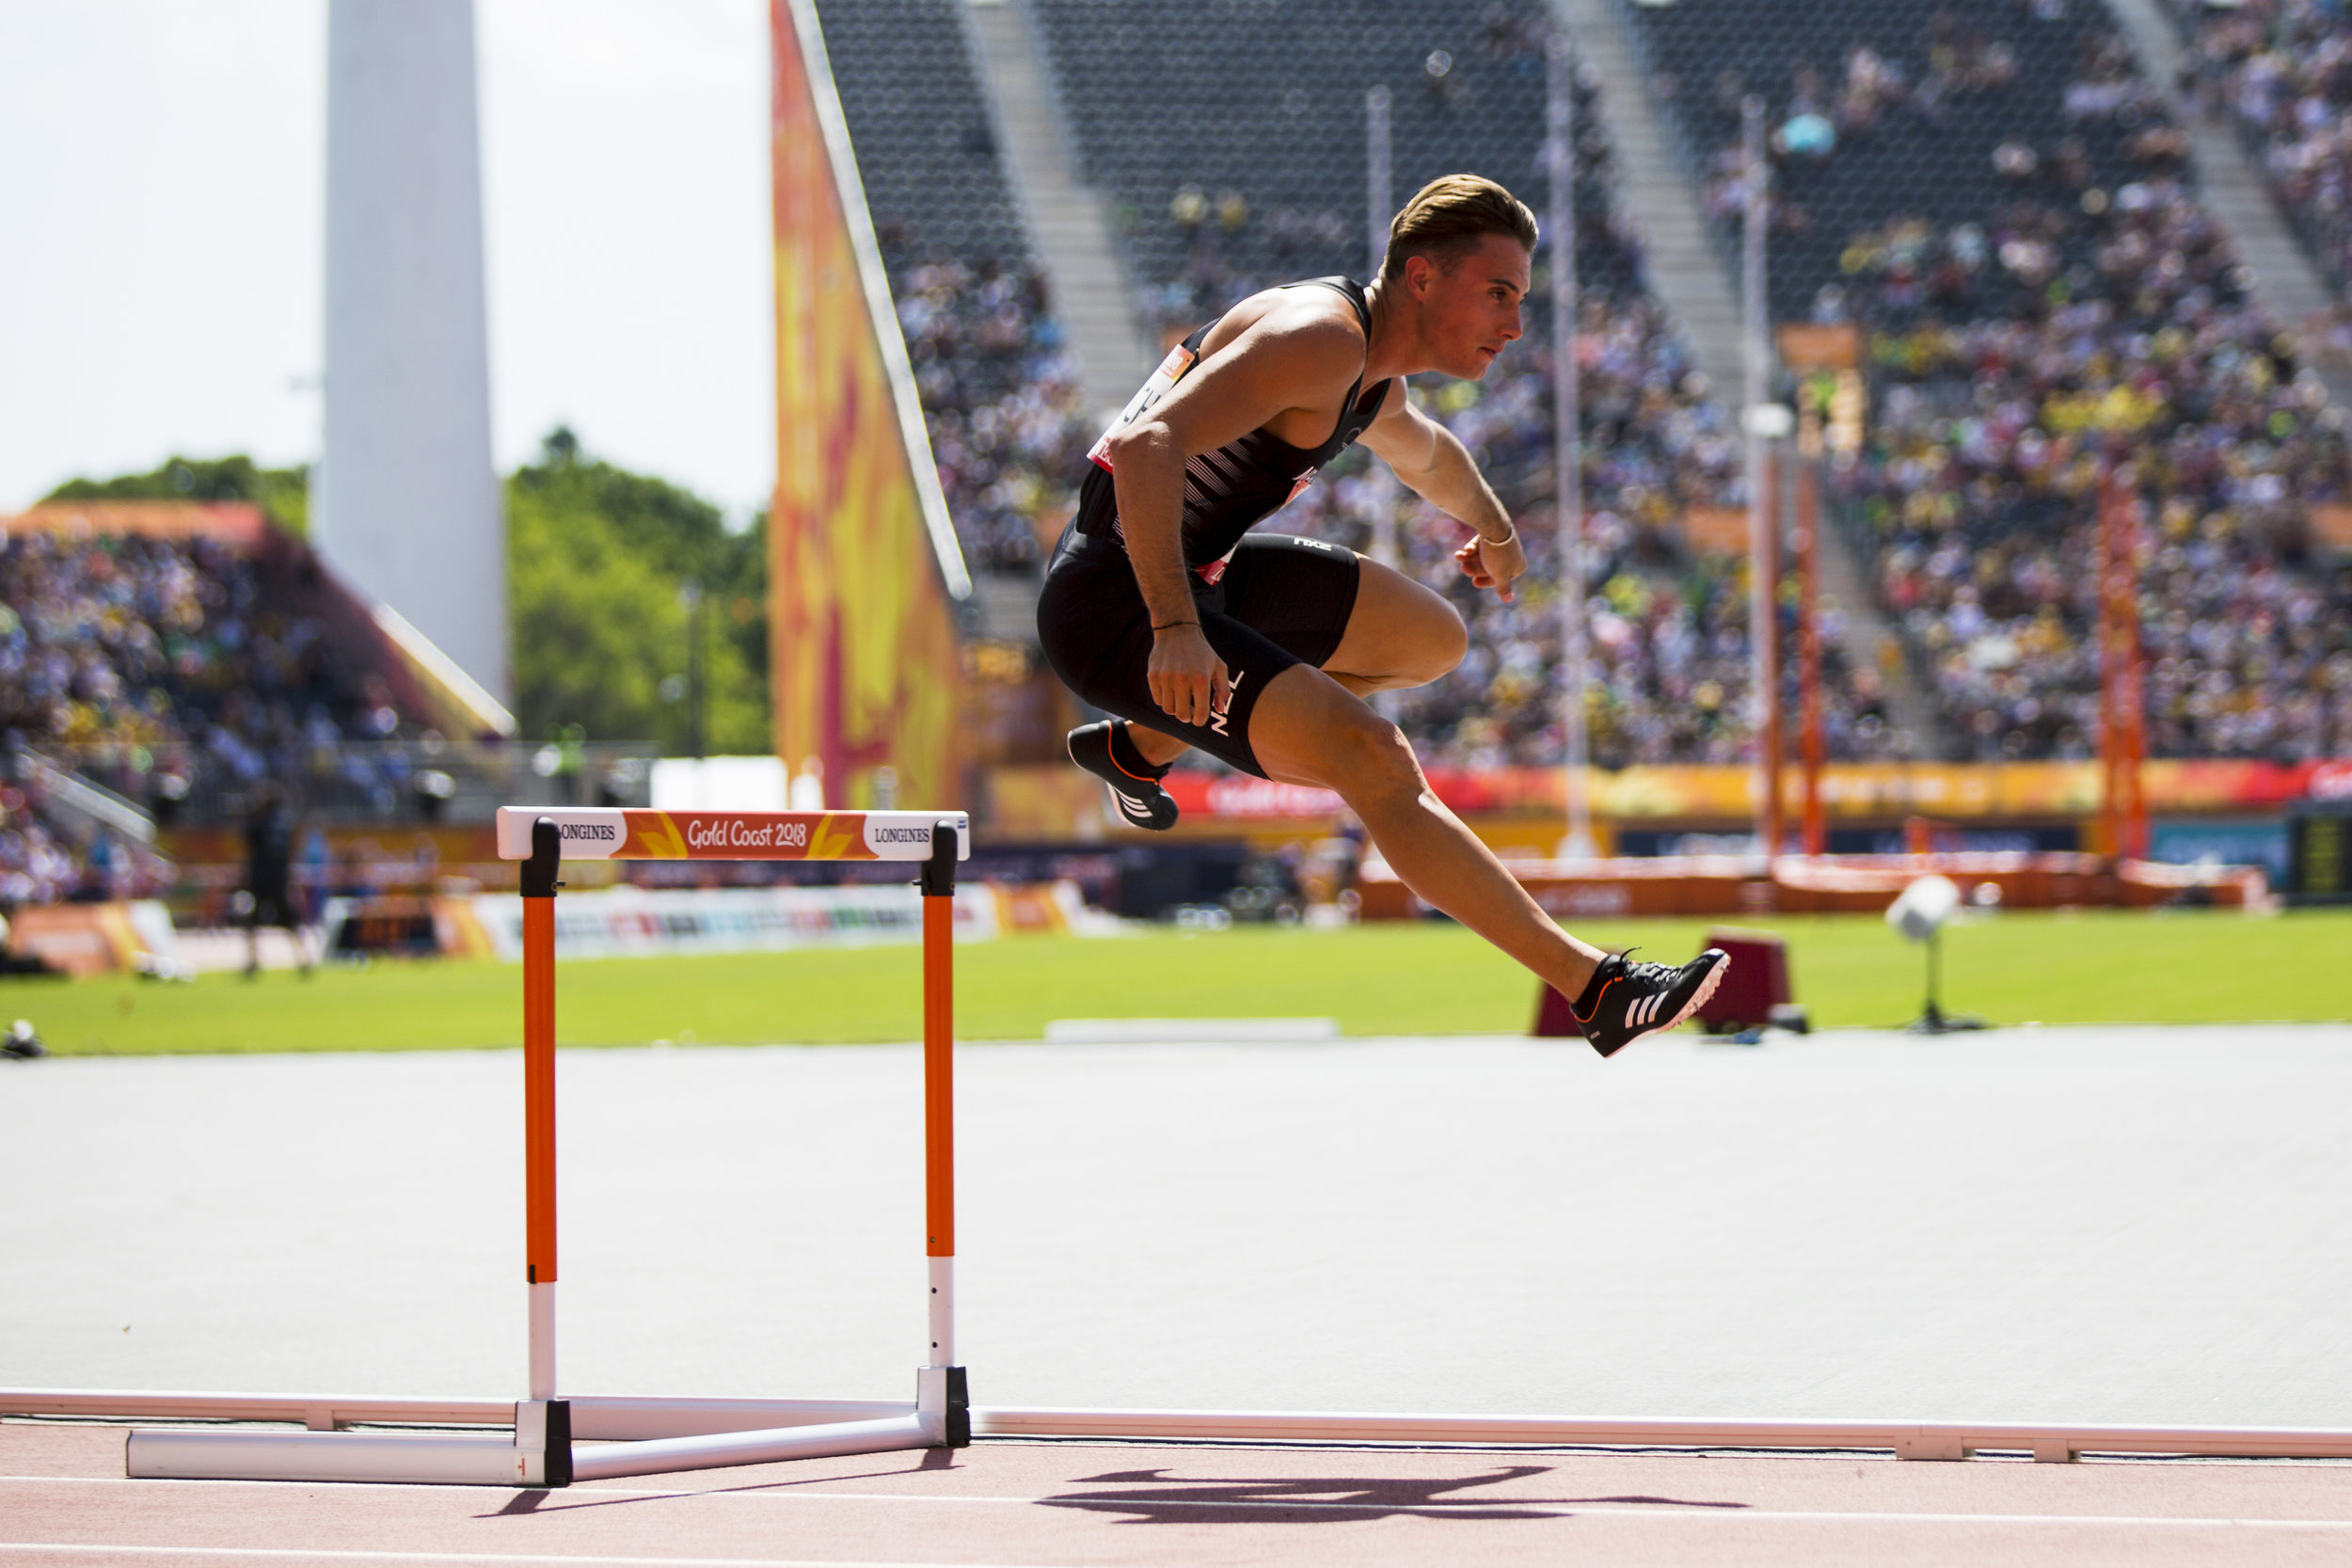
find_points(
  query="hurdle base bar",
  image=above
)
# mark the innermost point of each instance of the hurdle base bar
(615, 1436)
(940, 1417)
(536, 1454)
(821, 1440)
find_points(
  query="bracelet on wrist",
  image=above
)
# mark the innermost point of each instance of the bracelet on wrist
(1169, 626)
(1508, 534)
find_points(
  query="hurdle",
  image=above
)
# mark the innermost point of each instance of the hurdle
(552, 1439)
(531, 1440)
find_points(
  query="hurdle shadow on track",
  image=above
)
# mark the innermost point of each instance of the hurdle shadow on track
(541, 1499)
(1157, 1497)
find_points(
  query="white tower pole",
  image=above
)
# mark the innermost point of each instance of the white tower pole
(1569, 443)
(407, 500)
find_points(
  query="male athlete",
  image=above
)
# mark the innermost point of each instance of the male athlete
(1161, 608)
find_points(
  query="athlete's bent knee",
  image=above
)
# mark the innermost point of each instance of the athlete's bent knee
(1444, 648)
(1371, 757)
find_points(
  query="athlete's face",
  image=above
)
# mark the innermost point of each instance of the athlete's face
(1470, 310)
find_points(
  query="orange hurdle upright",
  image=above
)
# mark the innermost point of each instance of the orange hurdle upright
(939, 1132)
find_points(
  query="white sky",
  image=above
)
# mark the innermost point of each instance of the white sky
(160, 166)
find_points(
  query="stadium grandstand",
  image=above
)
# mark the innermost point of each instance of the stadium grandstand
(1256, 178)
(1995, 204)
(160, 660)
(2277, 71)
(2004, 204)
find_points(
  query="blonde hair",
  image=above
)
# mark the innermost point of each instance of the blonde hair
(1448, 216)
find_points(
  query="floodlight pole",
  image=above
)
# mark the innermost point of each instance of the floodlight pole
(2122, 698)
(1763, 674)
(1809, 721)
(1567, 446)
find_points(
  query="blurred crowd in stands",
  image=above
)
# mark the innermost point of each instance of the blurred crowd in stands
(2097, 319)
(40, 863)
(2283, 71)
(1855, 97)
(165, 668)
(1001, 399)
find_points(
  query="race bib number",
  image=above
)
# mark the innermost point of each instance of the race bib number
(1173, 370)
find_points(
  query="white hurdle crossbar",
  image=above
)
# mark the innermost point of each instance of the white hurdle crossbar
(546, 1439)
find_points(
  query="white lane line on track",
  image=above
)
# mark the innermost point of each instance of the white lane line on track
(294, 1554)
(1110, 1503)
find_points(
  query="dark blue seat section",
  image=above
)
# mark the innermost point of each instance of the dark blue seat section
(1006, 421)
(1932, 163)
(1263, 100)
(920, 124)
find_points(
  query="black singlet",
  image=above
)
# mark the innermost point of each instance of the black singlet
(1228, 491)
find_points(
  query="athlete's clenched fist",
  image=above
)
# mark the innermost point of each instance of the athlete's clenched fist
(1188, 679)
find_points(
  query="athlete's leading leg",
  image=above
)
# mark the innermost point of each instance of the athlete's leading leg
(1399, 635)
(1308, 729)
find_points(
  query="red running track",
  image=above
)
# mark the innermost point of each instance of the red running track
(1055, 1505)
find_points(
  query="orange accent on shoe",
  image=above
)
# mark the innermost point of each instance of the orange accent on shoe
(1587, 1017)
(1111, 751)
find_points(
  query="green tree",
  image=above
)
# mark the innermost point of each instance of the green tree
(282, 494)
(598, 557)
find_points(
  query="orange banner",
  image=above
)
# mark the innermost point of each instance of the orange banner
(865, 655)
(1043, 802)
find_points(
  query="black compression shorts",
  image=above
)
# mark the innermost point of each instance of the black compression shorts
(1282, 601)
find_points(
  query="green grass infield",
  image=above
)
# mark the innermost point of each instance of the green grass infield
(1422, 978)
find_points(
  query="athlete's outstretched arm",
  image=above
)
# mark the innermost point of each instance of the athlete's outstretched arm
(1432, 459)
(1290, 358)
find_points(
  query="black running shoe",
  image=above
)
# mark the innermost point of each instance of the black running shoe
(1141, 800)
(1638, 1000)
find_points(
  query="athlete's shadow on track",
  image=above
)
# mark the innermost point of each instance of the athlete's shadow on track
(1157, 1497)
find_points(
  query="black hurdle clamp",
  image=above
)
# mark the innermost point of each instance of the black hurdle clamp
(938, 877)
(547, 857)
(959, 1410)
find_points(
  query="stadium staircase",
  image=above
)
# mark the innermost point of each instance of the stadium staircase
(2287, 284)
(1684, 265)
(1066, 221)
